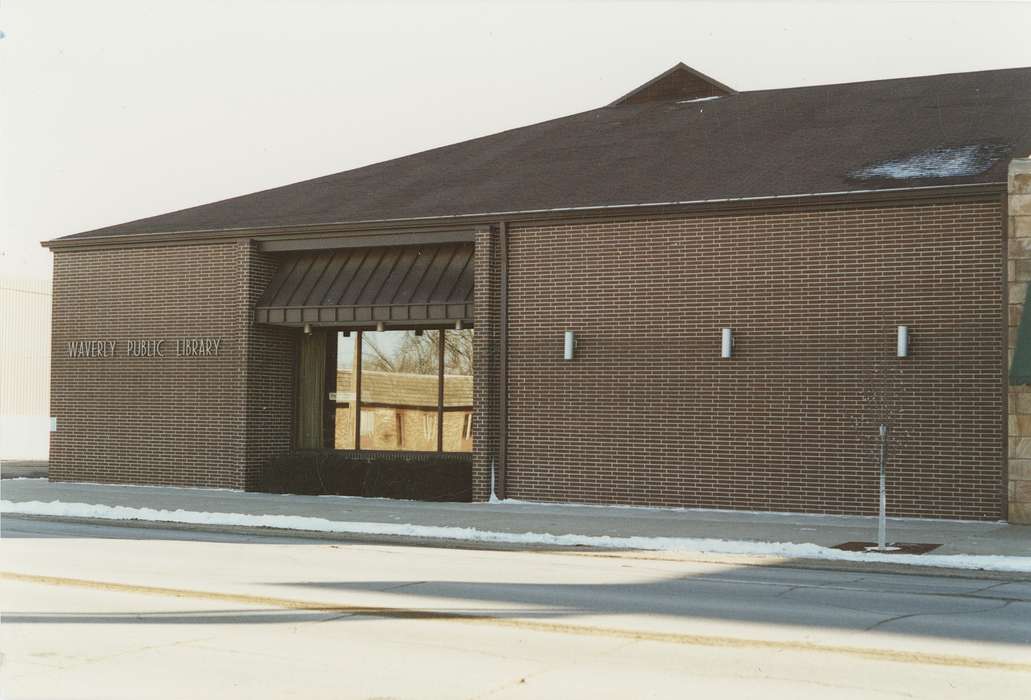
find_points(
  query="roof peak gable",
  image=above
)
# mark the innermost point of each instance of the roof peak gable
(681, 82)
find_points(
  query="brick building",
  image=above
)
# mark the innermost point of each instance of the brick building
(244, 343)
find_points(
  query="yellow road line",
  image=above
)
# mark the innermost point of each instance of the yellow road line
(529, 625)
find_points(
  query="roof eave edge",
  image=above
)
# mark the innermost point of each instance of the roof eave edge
(435, 223)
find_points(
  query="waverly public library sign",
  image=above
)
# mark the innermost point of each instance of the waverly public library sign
(180, 347)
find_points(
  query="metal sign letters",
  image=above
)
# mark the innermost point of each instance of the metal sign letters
(146, 347)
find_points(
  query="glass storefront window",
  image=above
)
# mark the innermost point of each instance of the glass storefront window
(399, 385)
(458, 390)
(387, 390)
(346, 390)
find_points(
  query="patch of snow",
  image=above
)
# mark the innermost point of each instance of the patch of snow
(945, 161)
(494, 500)
(699, 99)
(493, 496)
(669, 544)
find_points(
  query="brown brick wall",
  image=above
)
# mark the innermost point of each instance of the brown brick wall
(649, 414)
(190, 421)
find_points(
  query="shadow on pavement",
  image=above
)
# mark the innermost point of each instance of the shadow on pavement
(977, 609)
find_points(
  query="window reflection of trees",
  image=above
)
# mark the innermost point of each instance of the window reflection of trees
(417, 353)
(458, 352)
(399, 390)
(414, 354)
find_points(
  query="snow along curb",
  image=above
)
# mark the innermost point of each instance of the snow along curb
(665, 544)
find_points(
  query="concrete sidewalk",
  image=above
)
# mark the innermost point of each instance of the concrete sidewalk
(375, 515)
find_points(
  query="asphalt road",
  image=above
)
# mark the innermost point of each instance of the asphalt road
(113, 612)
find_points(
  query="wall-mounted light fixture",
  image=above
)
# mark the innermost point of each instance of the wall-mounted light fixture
(459, 325)
(307, 329)
(380, 326)
(727, 344)
(903, 341)
(567, 351)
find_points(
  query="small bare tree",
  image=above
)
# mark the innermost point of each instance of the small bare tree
(880, 419)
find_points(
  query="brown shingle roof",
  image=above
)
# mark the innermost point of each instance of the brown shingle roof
(884, 134)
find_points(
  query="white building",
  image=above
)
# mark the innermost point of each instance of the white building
(24, 368)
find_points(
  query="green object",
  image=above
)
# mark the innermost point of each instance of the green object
(1020, 370)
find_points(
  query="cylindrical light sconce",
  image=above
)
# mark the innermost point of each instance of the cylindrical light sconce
(567, 352)
(903, 341)
(727, 344)
(307, 329)
(381, 326)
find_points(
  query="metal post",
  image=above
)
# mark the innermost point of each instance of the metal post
(881, 524)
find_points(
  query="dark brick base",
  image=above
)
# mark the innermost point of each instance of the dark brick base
(424, 477)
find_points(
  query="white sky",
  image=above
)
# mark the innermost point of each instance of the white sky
(111, 110)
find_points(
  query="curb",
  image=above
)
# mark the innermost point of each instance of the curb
(869, 567)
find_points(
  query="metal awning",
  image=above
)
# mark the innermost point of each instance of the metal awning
(409, 285)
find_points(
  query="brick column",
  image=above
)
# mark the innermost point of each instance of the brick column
(1019, 275)
(485, 363)
(267, 384)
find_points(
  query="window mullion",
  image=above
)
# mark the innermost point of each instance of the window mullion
(357, 364)
(440, 389)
